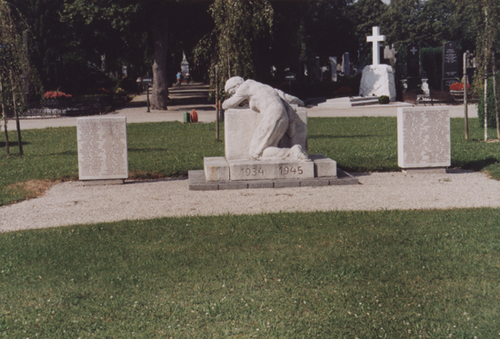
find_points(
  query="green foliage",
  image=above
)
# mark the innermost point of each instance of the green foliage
(492, 122)
(404, 274)
(240, 27)
(384, 100)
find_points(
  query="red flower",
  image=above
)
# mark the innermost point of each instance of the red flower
(458, 86)
(56, 95)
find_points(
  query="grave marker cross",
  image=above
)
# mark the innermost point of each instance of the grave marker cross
(375, 39)
(413, 50)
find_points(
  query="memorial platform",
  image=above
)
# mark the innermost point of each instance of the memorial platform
(197, 182)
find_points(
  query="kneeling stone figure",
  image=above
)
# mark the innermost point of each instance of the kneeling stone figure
(277, 118)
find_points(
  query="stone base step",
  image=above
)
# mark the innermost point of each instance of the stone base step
(349, 102)
(197, 182)
(221, 169)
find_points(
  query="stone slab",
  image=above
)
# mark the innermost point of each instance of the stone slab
(197, 182)
(240, 125)
(323, 166)
(423, 137)
(270, 169)
(431, 170)
(103, 182)
(102, 148)
(216, 169)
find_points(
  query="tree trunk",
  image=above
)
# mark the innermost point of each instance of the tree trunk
(486, 108)
(16, 114)
(4, 113)
(495, 95)
(159, 95)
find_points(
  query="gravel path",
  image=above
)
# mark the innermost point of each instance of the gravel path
(72, 203)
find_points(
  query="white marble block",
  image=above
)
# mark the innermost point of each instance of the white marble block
(323, 166)
(216, 169)
(240, 125)
(378, 80)
(102, 148)
(270, 169)
(423, 138)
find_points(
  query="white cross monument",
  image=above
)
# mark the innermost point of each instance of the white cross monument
(375, 39)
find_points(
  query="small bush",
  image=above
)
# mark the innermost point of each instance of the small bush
(491, 106)
(383, 100)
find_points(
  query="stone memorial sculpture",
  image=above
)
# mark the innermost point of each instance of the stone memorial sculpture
(278, 119)
(377, 79)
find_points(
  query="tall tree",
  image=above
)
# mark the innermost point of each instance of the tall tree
(15, 69)
(239, 26)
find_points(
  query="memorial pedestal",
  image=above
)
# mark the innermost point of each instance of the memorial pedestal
(221, 174)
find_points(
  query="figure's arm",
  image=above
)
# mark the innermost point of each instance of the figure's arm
(234, 101)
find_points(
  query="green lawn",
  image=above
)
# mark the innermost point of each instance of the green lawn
(392, 274)
(172, 149)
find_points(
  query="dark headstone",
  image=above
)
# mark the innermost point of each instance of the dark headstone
(413, 61)
(450, 65)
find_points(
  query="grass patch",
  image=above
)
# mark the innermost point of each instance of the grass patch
(158, 150)
(390, 274)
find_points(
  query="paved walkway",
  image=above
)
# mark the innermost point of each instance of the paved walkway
(195, 96)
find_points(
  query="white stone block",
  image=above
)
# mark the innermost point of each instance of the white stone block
(216, 169)
(323, 166)
(102, 148)
(270, 169)
(378, 80)
(423, 137)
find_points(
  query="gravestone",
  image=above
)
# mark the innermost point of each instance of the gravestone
(333, 67)
(413, 61)
(377, 79)
(346, 64)
(450, 65)
(102, 148)
(389, 54)
(423, 138)
(184, 65)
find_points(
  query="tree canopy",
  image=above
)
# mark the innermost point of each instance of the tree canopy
(241, 37)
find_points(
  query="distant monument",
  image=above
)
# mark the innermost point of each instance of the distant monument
(450, 65)
(184, 65)
(377, 79)
(265, 144)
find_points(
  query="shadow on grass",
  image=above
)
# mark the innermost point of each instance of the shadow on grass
(480, 164)
(13, 144)
(144, 150)
(329, 136)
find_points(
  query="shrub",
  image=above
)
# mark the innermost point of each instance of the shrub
(491, 106)
(383, 100)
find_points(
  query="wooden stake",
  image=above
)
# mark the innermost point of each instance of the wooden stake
(216, 103)
(466, 112)
(16, 114)
(7, 150)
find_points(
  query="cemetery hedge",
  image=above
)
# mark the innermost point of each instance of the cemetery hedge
(158, 150)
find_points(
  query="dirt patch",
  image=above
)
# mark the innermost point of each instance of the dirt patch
(33, 188)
